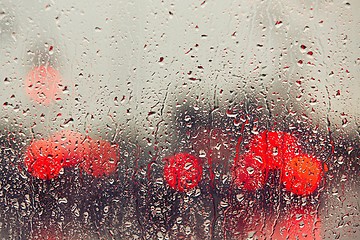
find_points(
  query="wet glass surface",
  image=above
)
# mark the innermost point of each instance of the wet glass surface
(179, 119)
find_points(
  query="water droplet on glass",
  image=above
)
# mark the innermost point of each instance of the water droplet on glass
(188, 166)
(250, 170)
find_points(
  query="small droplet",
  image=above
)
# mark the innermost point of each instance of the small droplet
(6, 80)
(188, 165)
(250, 170)
(51, 50)
(63, 200)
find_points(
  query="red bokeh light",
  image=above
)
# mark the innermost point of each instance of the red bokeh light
(74, 146)
(42, 84)
(249, 172)
(266, 151)
(102, 158)
(43, 159)
(302, 174)
(182, 171)
(274, 148)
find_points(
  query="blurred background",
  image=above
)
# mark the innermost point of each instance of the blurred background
(162, 77)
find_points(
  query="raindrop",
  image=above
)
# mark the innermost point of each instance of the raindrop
(63, 200)
(250, 170)
(202, 153)
(188, 165)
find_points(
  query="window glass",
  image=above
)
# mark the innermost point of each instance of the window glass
(179, 119)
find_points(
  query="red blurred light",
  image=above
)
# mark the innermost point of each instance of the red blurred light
(101, 160)
(249, 172)
(265, 151)
(302, 174)
(43, 159)
(42, 84)
(274, 148)
(74, 146)
(182, 171)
